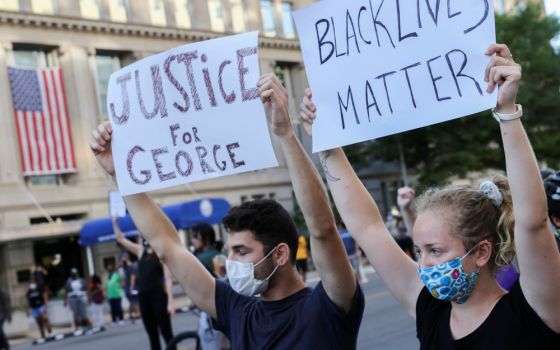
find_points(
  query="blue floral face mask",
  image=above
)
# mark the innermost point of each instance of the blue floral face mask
(448, 281)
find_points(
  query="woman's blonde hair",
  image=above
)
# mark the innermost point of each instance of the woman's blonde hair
(475, 217)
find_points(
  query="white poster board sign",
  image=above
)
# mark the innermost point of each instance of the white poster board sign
(188, 114)
(379, 67)
(117, 207)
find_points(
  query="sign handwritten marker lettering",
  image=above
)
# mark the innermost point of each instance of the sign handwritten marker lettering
(380, 67)
(188, 114)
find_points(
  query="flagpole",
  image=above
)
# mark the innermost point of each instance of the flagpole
(37, 204)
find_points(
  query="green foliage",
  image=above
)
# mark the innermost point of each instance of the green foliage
(297, 215)
(473, 143)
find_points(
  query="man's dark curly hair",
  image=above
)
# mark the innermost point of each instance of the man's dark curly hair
(269, 222)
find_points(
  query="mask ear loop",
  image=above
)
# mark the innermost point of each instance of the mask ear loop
(263, 259)
(470, 251)
(272, 273)
(266, 256)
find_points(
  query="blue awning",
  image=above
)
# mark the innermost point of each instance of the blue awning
(184, 215)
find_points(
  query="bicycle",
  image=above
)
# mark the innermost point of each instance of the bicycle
(183, 336)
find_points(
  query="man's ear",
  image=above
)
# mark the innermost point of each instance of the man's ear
(282, 254)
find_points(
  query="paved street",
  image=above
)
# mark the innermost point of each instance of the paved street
(385, 326)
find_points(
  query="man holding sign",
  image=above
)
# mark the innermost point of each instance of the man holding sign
(263, 244)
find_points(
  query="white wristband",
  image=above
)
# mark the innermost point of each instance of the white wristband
(504, 117)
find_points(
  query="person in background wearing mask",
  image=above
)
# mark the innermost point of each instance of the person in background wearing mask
(37, 301)
(114, 294)
(5, 315)
(266, 305)
(97, 298)
(352, 250)
(76, 297)
(552, 188)
(204, 240)
(302, 255)
(462, 235)
(130, 272)
(155, 289)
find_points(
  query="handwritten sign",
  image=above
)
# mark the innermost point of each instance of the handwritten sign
(381, 67)
(117, 207)
(188, 114)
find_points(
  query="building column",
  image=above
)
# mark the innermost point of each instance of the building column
(69, 8)
(170, 13)
(277, 6)
(254, 15)
(140, 12)
(82, 106)
(10, 169)
(302, 3)
(200, 16)
(267, 66)
(3, 267)
(19, 257)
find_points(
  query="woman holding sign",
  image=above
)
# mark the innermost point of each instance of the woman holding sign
(461, 235)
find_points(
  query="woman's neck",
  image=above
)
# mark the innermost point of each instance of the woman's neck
(466, 317)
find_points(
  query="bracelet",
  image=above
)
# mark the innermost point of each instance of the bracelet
(505, 117)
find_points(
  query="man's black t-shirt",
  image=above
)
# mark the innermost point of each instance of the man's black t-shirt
(512, 324)
(35, 298)
(307, 319)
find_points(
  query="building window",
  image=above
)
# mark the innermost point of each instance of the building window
(9, 5)
(287, 20)
(183, 10)
(44, 7)
(118, 10)
(157, 13)
(217, 15)
(105, 65)
(37, 58)
(90, 9)
(238, 16)
(33, 58)
(285, 73)
(267, 14)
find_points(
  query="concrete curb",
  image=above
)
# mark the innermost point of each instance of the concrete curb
(62, 336)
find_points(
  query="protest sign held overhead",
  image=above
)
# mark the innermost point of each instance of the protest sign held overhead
(380, 67)
(188, 114)
(117, 207)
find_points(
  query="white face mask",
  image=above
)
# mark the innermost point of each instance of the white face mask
(241, 277)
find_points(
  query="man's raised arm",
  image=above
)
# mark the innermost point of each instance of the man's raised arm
(160, 232)
(329, 255)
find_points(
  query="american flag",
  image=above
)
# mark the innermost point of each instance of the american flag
(43, 126)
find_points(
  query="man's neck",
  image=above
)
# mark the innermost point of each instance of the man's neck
(287, 283)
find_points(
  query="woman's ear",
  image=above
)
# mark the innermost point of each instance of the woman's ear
(483, 253)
